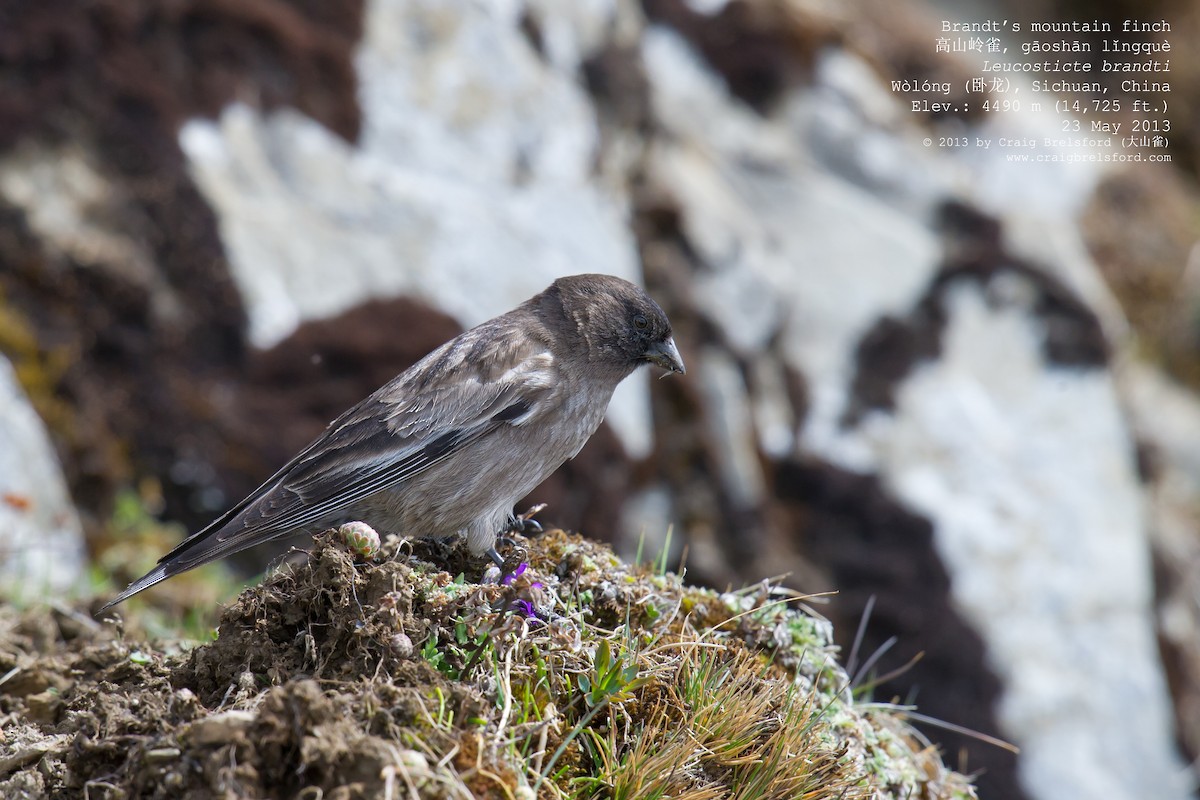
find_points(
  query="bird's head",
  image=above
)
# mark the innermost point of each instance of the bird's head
(620, 324)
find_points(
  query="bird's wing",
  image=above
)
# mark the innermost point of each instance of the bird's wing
(458, 394)
(399, 433)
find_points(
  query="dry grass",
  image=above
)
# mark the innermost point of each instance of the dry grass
(724, 725)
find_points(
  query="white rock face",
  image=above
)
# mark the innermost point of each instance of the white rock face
(471, 187)
(1026, 470)
(69, 203)
(789, 248)
(41, 540)
(1029, 473)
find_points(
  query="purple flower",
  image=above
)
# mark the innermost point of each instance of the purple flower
(508, 579)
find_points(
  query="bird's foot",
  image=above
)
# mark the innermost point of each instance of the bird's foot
(525, 524)
(516, 553)
(496, 572)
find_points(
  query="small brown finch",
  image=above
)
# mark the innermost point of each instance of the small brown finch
(448, 446)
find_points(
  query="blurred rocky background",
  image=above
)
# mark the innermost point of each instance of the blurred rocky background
(954, 389)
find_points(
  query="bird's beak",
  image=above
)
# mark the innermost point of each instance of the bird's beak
(666, 355)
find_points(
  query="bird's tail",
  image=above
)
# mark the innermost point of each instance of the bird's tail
(156, 575)
(212, 543)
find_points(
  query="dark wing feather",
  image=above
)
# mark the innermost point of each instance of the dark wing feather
(491, 376)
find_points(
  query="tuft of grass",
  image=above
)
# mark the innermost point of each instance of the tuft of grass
(724, 724)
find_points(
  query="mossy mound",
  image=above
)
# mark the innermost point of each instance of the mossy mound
(576, 675)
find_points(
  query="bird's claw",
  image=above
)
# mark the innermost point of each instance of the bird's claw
(525, 524)
(519, 554)
(528, 527)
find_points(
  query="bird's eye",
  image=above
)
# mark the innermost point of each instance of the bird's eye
(640, 322)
